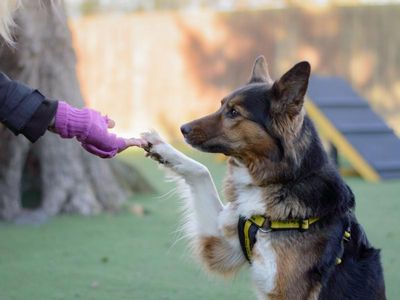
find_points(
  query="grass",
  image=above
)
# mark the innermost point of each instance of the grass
(122, 256)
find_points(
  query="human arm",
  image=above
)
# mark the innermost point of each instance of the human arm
(24, 110)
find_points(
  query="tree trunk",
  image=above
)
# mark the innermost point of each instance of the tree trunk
(71, 180)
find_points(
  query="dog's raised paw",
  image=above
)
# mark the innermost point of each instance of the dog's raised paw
(165, 154)
(155, 144)
(152, 137)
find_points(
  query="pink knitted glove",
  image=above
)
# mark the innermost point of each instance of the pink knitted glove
(91, 129)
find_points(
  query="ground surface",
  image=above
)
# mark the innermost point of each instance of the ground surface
(122, 256)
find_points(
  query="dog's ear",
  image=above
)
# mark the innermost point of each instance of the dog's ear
(260, 71)
(288, 92)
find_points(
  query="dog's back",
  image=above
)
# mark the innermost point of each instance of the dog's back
(360, 274)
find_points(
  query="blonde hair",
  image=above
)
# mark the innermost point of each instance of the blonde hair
(7, 8)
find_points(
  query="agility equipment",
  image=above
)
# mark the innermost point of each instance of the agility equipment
(347, 121)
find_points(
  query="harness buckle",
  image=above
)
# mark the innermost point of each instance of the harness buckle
(303, 225)
(265, 230)
(265, 227)
(347, 235)
(260, 223)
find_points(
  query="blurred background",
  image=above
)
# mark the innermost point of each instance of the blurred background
(142, 61)
(78, 227)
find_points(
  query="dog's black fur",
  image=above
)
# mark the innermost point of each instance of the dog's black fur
(319, 185)
(310, 177)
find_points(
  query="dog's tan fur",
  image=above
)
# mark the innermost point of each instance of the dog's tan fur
(256, 151)
(262, 179)
(215, 254)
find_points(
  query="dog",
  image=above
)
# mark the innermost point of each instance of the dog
(288, 214)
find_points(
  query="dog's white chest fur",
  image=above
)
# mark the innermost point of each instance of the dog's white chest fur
(250, 201)
(264, 268)
(209, 222)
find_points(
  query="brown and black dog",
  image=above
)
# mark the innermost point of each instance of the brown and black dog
(289, 215)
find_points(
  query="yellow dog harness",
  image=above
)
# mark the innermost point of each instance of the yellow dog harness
(248, 228)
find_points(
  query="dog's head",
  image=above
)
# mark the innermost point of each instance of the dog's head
(257, 120)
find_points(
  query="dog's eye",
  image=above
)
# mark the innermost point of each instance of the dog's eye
(233, 113)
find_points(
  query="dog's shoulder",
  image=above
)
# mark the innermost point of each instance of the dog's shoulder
(323, 192)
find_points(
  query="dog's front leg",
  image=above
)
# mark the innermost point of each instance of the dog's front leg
(203, 202)
(220, 253)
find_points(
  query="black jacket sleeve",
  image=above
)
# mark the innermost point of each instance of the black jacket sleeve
(24, 110)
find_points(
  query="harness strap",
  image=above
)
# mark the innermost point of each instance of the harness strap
(293, 224)
(248, 228)
(346, 237)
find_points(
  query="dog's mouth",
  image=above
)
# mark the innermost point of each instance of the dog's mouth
(206, 145)
(199, 140)
(210, 148)
(195, 139)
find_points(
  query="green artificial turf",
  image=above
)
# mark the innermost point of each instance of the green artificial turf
(123, 256)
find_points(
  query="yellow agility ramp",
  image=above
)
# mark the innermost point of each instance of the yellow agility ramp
(348, 122)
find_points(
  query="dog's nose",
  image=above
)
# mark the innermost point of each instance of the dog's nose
(186, 129)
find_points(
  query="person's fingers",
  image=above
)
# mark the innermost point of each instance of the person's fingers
(110, 122)
(98, 152)
(136, 142)
(130, 143)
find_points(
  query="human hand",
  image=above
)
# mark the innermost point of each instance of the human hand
(91, 129)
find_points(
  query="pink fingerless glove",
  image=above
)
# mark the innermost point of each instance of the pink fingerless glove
(90, 128)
